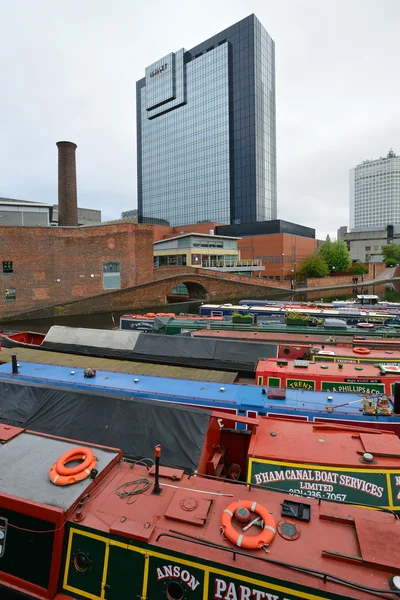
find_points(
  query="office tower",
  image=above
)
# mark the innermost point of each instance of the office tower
(206, 141)
(375, 193)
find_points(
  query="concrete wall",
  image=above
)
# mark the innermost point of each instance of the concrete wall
(74, 256)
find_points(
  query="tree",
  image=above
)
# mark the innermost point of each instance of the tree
(326, 251)
(313, 266)
(359, 269)
(391, 262)
(340, 256)
(391, 251)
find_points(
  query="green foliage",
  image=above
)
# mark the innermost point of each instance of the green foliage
(326, 251)
(313, 266)
(391, 251)
(340, 256)
(359, 269)
(391, 262)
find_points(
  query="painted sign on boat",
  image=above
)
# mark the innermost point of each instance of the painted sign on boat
(367, 386)
(359, 486)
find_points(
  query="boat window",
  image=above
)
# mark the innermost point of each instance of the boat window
(216, 313)
(174, 591)
(81, 562)
(8, 266)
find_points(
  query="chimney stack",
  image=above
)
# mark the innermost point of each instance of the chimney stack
(67, 194)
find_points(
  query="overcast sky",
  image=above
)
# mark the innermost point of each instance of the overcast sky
(69, 67)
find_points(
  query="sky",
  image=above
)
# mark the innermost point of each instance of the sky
(68, 72)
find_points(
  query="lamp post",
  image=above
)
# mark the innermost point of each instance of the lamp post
(333, 271)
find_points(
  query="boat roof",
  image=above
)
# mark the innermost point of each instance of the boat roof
(268, 310)
(186, 518)
(299, 368)
(26, 458)
(368, 296)
(373, 355)
(324, 444)
(200, 393)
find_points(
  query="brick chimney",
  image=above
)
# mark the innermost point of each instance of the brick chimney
(67, 194)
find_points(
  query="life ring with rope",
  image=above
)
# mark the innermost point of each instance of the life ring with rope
(359, 350)
(245, 541)
(60, 474)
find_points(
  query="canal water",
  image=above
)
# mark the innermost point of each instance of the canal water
(107, 320)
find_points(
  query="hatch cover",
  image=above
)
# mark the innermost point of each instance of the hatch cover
(378, 545)
(8, 432)
(189, 506)
(381, 444)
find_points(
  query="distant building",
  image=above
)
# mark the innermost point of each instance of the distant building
(341, 231)
(86, 216)
(375, 193)
(213, 252)
(366, 246)
(24, 213)
(278, 246)
(33, 214)
(206, 131)
(129, 213)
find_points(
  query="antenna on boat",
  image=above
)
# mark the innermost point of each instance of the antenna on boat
(157, 454)
(14, 364)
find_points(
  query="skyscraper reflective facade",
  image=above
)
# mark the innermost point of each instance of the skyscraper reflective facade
(206, 141)
(375, 193)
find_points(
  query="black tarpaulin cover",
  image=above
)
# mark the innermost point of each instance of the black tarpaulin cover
(135, 425)
(215, 353)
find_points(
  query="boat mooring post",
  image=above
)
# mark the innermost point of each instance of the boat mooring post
(157, 454)
(396, 403)
(14, 364)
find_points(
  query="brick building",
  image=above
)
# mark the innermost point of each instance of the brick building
(279, 245)
(44, 265)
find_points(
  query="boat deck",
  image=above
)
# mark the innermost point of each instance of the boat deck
(25, 463)
(116, 366)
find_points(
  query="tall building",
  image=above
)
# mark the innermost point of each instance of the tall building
(341, 231)
(206, 142)
(375, 193)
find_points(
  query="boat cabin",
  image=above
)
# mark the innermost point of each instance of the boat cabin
(328, 377)
(148, 529)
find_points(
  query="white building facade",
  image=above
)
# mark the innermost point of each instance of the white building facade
(375, 193)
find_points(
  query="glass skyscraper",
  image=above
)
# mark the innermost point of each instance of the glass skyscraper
(206, 141)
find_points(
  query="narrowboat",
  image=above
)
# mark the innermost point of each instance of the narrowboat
(241, 356)
(356, 355)
(328, 377)
(145, 322)
(329, 327)
(362, 301)
(296, 315)
(106, 527)
(363, 409)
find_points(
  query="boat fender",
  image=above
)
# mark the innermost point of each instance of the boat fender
(244, 541)
(61, 474)
(359, 350)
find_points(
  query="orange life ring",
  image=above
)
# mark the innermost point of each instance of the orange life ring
(243, 541)
(361, 350)
(365, 325)
(60, 474)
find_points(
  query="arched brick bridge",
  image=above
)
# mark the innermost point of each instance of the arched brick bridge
(201, 284)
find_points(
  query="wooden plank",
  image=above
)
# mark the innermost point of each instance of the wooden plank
(119, 366)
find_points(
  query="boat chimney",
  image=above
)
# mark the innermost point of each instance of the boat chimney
(157, 454)
(67, 194)
(14, 364)
(397, 397)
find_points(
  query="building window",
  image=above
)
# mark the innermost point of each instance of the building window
(10, 294)
(8, 266)
(367, 247)
(111, 276)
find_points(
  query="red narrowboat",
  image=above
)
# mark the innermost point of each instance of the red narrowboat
(328, 377)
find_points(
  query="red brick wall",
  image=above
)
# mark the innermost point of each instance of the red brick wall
(216, 288)
(374, 269)
(270, 249)
(41, 255)
(162, 232)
